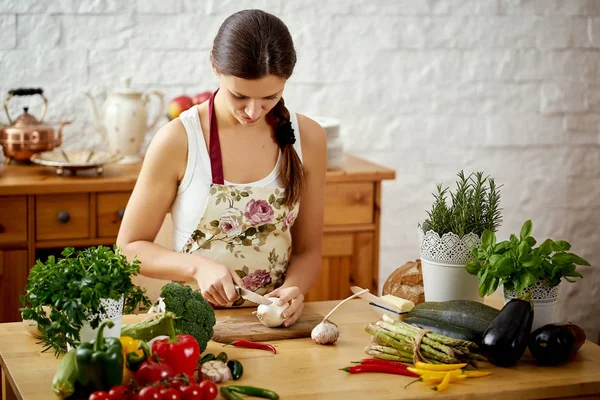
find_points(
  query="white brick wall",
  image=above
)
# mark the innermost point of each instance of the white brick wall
(427, 87)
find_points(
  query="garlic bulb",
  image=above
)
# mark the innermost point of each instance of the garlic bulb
(325, 333)
(216, 371)
(270, 315)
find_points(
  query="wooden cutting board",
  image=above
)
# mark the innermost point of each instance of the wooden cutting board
(248, 327)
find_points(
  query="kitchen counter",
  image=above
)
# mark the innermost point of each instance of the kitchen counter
(302, 369)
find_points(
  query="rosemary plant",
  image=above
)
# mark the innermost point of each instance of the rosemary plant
(473, 207)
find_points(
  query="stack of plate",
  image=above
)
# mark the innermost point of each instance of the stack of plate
(335, 146)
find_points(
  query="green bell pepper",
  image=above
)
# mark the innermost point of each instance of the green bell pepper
(100, 362)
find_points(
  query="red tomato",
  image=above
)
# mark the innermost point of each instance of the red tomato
(191, 392)
(121, 392)
(149, 393)
(208, 389)
(170, 394)
(99, 395)
(151, 371)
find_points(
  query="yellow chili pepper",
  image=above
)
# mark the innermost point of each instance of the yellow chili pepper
(445, 382)
(439, 367)
(476, 374)
(437, 379)
(130, 345)
(429, 372)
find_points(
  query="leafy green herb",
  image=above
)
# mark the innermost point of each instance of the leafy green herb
(517, 264)
(71, 287)
(474, 207)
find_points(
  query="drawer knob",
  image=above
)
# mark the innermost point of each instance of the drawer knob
(64, 217)
(121, 213)
(2, 229)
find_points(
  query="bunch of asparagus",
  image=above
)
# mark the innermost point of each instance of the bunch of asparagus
(395, 340)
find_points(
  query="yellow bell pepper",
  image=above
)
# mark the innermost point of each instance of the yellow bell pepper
(130, 345)
(439, 367)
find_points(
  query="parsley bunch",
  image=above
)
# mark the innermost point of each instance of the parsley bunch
(62, 294)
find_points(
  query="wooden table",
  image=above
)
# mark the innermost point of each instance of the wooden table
(304, 370)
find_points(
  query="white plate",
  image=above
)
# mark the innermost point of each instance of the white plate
(74, 160)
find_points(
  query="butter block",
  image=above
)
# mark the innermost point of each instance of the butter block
(402, 304)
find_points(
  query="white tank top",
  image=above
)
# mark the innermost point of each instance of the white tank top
(192, 193)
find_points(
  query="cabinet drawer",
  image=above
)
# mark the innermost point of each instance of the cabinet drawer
(13, 219)
(109, 212)
(349, 203)
(62, 216)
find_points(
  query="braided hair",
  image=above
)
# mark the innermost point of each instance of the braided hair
(252, 44)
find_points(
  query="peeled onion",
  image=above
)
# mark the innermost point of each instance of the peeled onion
(270, 315)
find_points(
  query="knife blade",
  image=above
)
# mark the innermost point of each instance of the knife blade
(251, 296)
(378, 301)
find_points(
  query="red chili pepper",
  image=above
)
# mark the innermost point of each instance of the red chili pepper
(253, 345)
(180, 352)
(377, 361)
(356, 369)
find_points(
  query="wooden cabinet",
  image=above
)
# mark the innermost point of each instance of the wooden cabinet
(41, 212)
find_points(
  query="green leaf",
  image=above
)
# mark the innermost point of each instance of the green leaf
(473, 267)
(562, 258)
(528, 279)
(504, 267)
(250, 231)
(526, 229)
(214, 223)
(487, 239)
(269, 227)
(546, 247)
(578, 260)
(531, 241)
(523, 248)
(574, 274)
(247, 242)
(561, 245)
(244, 194)
(271, 198)
(502, 247)
(494, 258)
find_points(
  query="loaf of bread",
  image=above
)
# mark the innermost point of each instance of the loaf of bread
(406, 282)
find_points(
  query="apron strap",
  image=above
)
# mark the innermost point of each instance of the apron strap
(214, 147)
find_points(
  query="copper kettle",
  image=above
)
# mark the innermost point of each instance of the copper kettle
(26, 135)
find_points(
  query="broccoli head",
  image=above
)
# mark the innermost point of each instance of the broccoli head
(194, 316)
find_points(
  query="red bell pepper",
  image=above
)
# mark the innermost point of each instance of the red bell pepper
(181, 352)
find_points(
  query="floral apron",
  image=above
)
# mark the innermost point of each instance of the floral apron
(244, 228)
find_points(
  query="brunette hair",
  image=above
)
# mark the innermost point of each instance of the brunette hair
(252, 44)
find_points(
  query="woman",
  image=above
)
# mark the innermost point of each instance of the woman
(242, 176)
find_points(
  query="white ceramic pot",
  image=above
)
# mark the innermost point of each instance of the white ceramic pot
(544, 298)
(114, 312)
(443, 261)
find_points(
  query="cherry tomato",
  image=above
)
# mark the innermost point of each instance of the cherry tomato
(208, 389)
(151, 371)
(99, 395)
(170, 394)
(191, 392)
(149, 393)
(121, 392)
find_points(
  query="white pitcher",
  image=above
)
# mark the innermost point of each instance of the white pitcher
(124, 119)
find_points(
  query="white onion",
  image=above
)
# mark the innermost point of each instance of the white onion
(270, 315)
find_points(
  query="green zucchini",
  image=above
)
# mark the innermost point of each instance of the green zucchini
(444, 328)
(63, 383)
(468, 314)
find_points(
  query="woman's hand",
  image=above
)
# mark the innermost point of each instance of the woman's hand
(216, 282)
(289, 294)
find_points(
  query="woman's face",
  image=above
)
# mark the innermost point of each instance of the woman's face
(250, 100)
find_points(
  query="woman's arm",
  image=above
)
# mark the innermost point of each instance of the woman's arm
(151, 199)
(307, 232)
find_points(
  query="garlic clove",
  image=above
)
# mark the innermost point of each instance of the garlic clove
(325, 333)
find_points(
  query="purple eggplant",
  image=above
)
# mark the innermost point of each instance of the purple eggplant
(555, 344)
(505, 340)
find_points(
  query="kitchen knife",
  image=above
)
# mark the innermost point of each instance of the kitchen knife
(378, 302)
(251, 296)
